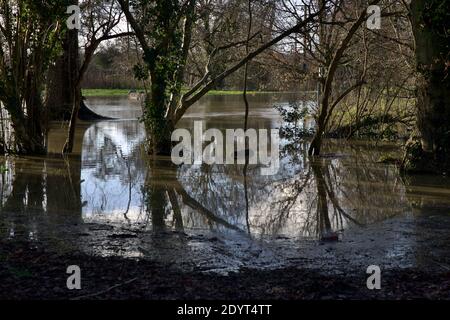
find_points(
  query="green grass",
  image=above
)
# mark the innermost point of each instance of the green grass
(124, 92)
(234, 92)
(105, 92)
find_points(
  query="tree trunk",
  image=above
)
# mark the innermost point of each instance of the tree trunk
(429, 151)
(316, 144)
(62, 80)
(28, 136)
(77, 96)
(159, 127)
(68, 147)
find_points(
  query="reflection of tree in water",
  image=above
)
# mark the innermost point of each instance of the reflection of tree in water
(42, 194)
(113, 168)
(306, 198)
(165, 195)
(25, 202)
(428, 195)
(156, 204)
(316, 198)
(335, 192)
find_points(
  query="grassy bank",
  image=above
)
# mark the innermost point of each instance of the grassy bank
(105, 92)
(124, 92)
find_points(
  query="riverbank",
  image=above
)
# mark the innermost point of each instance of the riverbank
(124, 92)
(28, 272)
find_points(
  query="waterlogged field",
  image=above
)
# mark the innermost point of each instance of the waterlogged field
(342, 210)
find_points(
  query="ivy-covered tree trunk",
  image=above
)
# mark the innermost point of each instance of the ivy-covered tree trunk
(159, 128)
(165, 62)
(429, 149)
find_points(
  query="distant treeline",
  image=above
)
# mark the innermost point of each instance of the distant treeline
(112, 68)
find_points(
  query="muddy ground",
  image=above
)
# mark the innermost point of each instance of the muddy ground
(29, 270)
(30, 273)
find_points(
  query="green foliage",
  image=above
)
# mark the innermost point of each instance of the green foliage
(140, 72)
(378, 128)
(292, 129)
(43, 22)
(3, 168)
(293, 115)
(163, 59)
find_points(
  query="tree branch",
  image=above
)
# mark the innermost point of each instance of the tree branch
(208, 86)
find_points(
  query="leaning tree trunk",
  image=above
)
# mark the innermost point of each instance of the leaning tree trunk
(429, 150)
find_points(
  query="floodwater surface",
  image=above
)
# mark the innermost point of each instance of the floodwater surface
(111, 199)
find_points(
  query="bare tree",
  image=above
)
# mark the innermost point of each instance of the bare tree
(100, 22)
(327, 106)
(165, 36)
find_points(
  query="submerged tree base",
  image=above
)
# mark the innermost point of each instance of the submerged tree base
(417, 161)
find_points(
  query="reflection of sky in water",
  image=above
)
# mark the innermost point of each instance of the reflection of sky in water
(112, 185)
(114, 172)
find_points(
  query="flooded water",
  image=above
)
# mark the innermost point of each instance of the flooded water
(110, 198)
